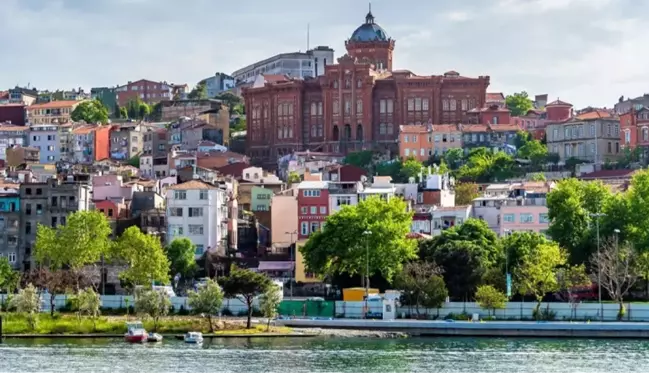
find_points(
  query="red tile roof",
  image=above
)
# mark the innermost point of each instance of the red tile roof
(495, 96)
(54, 104)
(504, 127)
(234, 169)
(558, 102)
(274, 78)
(445, 128)
(595, 114)
(608, 174)
(475, 128)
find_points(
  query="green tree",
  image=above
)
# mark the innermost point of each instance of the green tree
(81, 241)
(239, 125)
(27, 301)
(199, 92)
(137, 109)
(372, 233)
(9, 278)
(569, 279)
(629, 212)
(411, 168)
(294, 178)
(145, 258)
(181, 254)
(144, 110)
(435, 293)
(537, 272)
(207, 300)
(245, 285)
(518, 104)
(465, 193)
(153, 303)
(454, 158)
(269, 302)
(89, 303)
(534, 151)
(361, 158)
(538, 176)
(232, 101)
(413, 282)
(490, 299)
(134, 161)
(463, 267)
(390, 168)
(484, 165)
(517, 246)
(92, 111)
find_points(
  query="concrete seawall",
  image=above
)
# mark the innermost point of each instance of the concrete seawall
(484, 329)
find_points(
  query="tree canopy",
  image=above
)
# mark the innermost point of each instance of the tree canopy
(181, 256)
(519, 104)
(199, 92)
(465, 193)
(146, 260)
(207, 300)
(374, 228)
(9, 278)
(245, 285)
(92, 111)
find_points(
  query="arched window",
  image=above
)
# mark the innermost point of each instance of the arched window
(390, 129)
(348, 132)
(336, 134)
(314, 109)
(382, 129)
(359, 132)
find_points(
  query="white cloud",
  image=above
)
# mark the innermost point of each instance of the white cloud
(458, 16)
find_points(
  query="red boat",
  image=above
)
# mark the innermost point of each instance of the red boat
(135, 333)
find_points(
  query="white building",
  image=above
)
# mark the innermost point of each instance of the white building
(296, 65)
(198, 211)
(381, 186)
(343, 194)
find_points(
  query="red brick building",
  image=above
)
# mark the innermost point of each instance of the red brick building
(357, 104)
(147, 90)
(312, 207)
(634, 129)
(13, 114)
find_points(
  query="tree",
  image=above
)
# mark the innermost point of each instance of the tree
(642, 267)
(294, 178)
(92, 111)
(144, 256)
(123, 112)
(181, 256)
(490, 298)
(463, 267)
(411, 168)
(27, 301)
(536, 273)
(137, 109)
(538, 176)
(614, 265)
(569, 279)
(232, 101)
(361, 158)
(144, 110)
(483, 165)
(154, 303)
(518, 246)
(518, 104)
(57, 281)
(413, 282)
(81, 241)
(465, 193)
(269, 302)
(9, 278)
(454, 158)
(245, 285)
(208, 300)
(89, 303)
(199, 92)
(371, 234)
(134, 161)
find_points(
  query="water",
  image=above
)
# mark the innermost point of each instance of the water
(293, 355)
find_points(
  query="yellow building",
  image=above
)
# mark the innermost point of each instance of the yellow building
(300, 269)
(51, 112)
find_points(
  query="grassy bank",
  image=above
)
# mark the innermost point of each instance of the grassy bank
(69, 324)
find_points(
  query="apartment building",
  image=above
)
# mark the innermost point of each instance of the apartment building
(296, 65)
(45, 138)
(126, 141)
(12, 136)
(9, 226)
(146, 90)
(19, 155)
(155, 150)
(90, 143)
(199, 211)
(54, 112)
(424, 141)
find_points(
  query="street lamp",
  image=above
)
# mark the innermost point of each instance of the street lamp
(599, 271)
(367, 233)
(290, 249)
(508, 278)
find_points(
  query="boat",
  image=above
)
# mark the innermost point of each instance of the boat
(193, 337)
(154, 337)
(135, 332)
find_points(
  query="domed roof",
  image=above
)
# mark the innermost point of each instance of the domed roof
(369, 31)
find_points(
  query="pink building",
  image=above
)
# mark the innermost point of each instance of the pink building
(534, 122)
(284, 217)
(523, 218)
(113, 208)
(112, 187)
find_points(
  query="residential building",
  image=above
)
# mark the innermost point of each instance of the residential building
(44, 137)
(625, 105)
(48, 203)
(592, 137)
(217, 129)
(145, 201)
(9, 226)
(284, 216)
(434, 190)
(91, 143)
(296, 65)
(490, 114)
(218, 83)
(436, 219)
(381, 187)
(342, 194)
(256, 177)
(358, 96)
(106, 96)
(198, 211)
(13, 114)
(207, 146)
(55, 112)
(260, 199)
(635, 130)
(113, 208)
(195, 131)
(126, 141)
(154, 157)
(112, 187)
(66, 141)
(146, 90)
(12, 136)
(424, 141)
(25, 96)
(313, 207)
(174, 109)
(345, 173)
(154, 222)
(534, 122)
(19, 155)
(180, 91)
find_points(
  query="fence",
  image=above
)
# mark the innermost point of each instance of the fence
(306, 308)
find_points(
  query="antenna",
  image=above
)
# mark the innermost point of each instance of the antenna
(308, 35)
(370, 7)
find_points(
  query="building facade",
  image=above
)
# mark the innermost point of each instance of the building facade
(9, 226)
(55, 112)
(198, 211)
(260, 198)
(313, 207)
(45, 138)
(422, 142)
(218, 83)
(296, 65)
(355, 103)
(13, 114)
(126, 141)
(106, 96)
(155, 148)
(12, 136)
(146, 90)
(174, 109)
(634, 133)
(18, 155)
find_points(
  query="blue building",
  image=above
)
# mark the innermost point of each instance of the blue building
(45, 137)
(9, 227)
(218, 83)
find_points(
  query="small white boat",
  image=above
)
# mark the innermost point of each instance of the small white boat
(135, 332)
(154, 337)
(193, 337)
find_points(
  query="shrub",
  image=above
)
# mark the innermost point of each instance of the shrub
(226, 312)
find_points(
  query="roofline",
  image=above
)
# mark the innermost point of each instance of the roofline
(276, 57)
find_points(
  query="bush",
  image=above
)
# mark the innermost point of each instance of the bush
(545, 315)
(242, 313)
(458, 316)
(226, 312)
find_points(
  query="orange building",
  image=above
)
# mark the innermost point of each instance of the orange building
(421, 142)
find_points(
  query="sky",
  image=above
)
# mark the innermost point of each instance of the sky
(587, 52)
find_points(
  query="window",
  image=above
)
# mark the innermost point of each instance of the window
(407, 152)
(348, 107)
(54, 221)
(645, 134)
(28, 191)
(566, 133)
(610, 147)
(405, 138)
(527, 218)
(311, 193)
(28, 209)
(110, 212)
(11, 257)
(39, 209)
(180, 194)
(382, 106)
(592, 130)
(323, 210)
(314, 226)
(344, 200)
(436, 138)
(176, 230)
(422, 152)
(304, 228)
(202, 194)
(176, 211)
(424, 104)
(359, 83)
(195, 212)
(627, 136)
(390, 106)
(359, 106)
(411, 104)
(617, 147)
(195, 229)
(303, 210)
(543, 218)
(39, 191)
(509, 218)
(28, 227)
(336, 107)
(313, 210)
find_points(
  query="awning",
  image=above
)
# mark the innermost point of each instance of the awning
(276, 266)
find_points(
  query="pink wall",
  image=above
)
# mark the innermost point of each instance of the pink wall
(535, 225)
(100, 193)
(283, 214)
